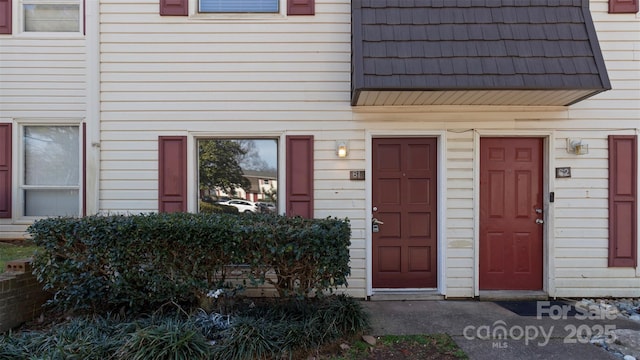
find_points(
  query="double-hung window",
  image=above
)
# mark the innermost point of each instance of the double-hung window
(51, 16)
(239, 6)
(50, 159)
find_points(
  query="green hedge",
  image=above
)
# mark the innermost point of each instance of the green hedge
(138, 261)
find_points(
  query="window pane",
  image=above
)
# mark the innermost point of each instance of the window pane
(239, 168)
(52, 17)
(51, 155)
(51, 203)
(239, 6)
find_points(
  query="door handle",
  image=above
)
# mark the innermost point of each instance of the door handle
(539, 221)
(375, 225)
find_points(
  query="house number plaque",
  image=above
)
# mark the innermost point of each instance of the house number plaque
(356, 174)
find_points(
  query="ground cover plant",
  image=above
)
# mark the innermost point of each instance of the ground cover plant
(256, 329)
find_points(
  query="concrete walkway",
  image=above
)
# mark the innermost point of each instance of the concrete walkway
(476, 325)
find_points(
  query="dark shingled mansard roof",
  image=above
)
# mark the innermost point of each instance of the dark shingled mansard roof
(421, 50)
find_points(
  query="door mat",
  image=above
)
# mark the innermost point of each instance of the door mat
(546, 308)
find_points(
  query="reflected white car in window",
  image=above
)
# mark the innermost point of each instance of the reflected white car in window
(243, 206)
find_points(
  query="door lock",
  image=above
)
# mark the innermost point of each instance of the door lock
(538, 211)
(375, 225)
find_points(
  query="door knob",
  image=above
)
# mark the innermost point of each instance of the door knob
(539, 221)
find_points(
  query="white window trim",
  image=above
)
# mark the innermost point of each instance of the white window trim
(18, 14)
(18, 160)
(194, 6)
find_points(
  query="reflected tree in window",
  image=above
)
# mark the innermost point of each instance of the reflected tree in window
(239, 168)
(220, 166)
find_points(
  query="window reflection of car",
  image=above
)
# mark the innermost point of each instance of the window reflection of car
(243, 206)
(266, 207)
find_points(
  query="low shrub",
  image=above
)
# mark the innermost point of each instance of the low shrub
(308, 256)
(259, 329)
(138, 262)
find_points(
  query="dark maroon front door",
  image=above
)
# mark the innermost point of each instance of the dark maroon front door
(404, 201)
(511, 214)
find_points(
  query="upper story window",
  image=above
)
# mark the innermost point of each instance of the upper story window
(51, 16)
(239, 6)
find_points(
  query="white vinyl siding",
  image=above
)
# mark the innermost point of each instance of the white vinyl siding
(459, 214)
(581, 209)
(256, 76)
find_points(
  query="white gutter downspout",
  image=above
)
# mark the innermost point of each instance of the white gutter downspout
(92, 44)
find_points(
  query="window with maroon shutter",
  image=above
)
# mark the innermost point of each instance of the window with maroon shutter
(172, 174)
(5, 170)
(623, 200)
(300, 7)
(5, 16)
(623, 6)
(300, 176)
(174, 7)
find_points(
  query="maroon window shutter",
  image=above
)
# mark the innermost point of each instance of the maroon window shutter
(300, 176)
(5, 170)
(623, 200)
(5, 16)
(301, 7)
(172, 174)
(174, 7)
(623, 6)
(84, 169)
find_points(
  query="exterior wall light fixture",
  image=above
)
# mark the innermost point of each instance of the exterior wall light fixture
(575, 146)
(341, 148)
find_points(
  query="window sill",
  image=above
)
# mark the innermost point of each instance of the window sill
(237, 17)
(50, 35)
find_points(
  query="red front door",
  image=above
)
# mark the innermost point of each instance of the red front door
(510, 212)
(404, 201)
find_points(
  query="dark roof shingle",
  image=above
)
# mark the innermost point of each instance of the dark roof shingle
(486, 44)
